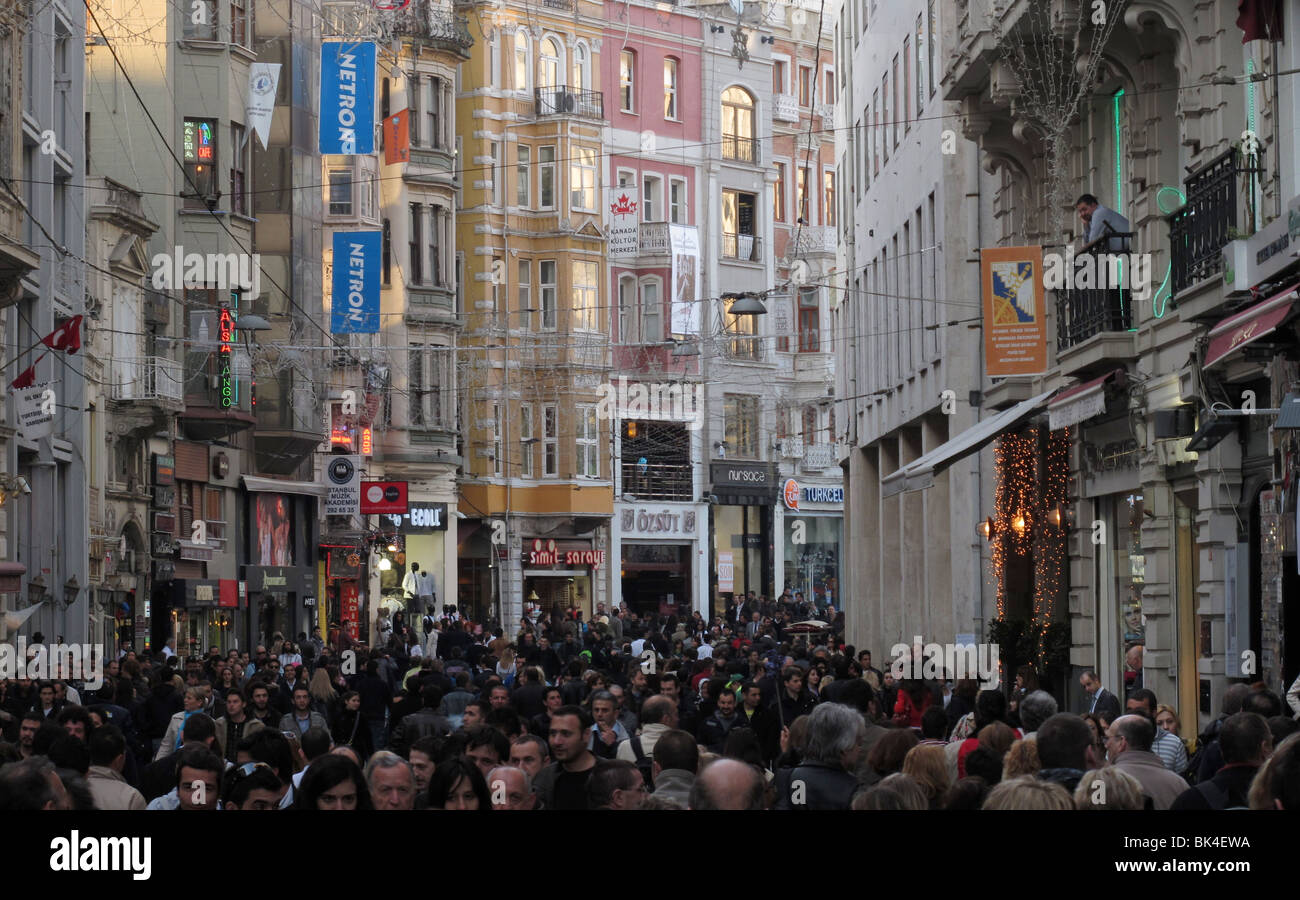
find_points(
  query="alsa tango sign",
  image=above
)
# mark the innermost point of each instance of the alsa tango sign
(545, 554)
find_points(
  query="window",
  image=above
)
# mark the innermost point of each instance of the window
(495, 174)
(550, 440)
(921, 71)
(523, 155)
(493, 60)
(651, 210)
(884, 119)
(802, 178)
(585, 299)
(895, 104)
(677, 201)
(340, 182)
(828, 94)
(778, 76)
(429, 385)
(809, 425)
(546, 177)
(581, 67)
(550, 67)
(546, 277)
(588, 442)
(497, 266)
(651, 312)
(627, 310)
(366, 188)
(670, 88)
(582, 180)
(199, 142)
(414, 269)
(778, 194)
(905, 102)
(744, 343)
(431, 107)
(738, 240)
(868, 144)
(436, 222)
(828, 197)
(524, 287)
(523, 61)
(809, 321)
(626, 79)
(932, 25)
(738, 125)
(526, 440)
(805, 85)
(741, 431)
(496, 439)
(238, 167)
(238, 22)
(205, 29)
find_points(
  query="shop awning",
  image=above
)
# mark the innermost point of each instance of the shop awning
(1250, 325)
(1083, 401)
(276, 486)
(919, 473)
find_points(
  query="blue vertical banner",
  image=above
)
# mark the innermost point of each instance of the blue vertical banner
(347, 98)
(354, 301)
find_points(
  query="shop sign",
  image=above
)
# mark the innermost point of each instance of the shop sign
(665, 521)
(422, 518)
(1251, 261)
(343, 479)
(546, 553)
(726, 572)
(277, 579)
(739, 474)
(792, 493)
(383, 497)
(164, 469)
(162, 544)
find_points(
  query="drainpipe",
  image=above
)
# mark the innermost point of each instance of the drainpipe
(974, 239)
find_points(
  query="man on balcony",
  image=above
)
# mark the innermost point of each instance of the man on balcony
(1096, 218)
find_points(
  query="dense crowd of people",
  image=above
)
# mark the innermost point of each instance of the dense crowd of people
(752, 711)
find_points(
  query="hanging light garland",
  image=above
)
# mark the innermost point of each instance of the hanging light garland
(1051, 554)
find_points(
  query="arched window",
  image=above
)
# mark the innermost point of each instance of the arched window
(523, 61)
(551, 64)
(738, 125)
(627, 310)
(581, 67)
(652, 310)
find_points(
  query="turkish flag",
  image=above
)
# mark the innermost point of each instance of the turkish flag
(67, 337)
(1259, 20)
(25, 380)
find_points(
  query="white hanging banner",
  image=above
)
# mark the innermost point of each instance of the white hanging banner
(263, 79)
(622, 222)
(36, 407)
(782, 311)
(684, 244)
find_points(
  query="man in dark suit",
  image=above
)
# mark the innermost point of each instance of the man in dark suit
(1100, 700)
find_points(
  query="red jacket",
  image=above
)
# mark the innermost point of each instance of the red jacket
(905, 707)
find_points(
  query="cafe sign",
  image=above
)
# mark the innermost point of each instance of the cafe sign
(547, 553)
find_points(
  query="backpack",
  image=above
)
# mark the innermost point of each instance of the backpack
(428, 624)
(644, 763)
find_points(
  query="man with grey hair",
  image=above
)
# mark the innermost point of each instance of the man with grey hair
(728, 784)
(607, 732)
(1128, 746)
(1035, 709)
(511, 788)
(825, 779)
(391, 781)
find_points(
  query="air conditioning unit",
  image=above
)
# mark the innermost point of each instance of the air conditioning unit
(566, 101)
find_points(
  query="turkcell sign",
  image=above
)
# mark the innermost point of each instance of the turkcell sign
(354, 303)
(347, 98)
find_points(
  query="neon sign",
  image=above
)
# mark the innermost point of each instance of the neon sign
(227, 339)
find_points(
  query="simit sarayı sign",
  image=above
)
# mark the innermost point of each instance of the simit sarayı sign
(354, 302)
(347, 98)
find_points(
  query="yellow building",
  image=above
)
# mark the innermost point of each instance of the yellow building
(530, 115)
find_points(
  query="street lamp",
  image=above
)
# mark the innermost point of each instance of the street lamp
(746, 304)
(70, 591)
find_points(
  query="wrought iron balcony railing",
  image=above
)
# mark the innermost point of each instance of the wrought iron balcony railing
(657, 481)
(563, 100)
(1200, 229)
(1084, 312)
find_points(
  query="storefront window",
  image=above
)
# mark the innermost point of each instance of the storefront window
(813, 566)
(738, 546)
(1130, 576)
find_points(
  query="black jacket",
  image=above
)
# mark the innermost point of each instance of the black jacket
(823, 787)
(712, 735)
(1228, 788)
(529, 699)
(419, 724)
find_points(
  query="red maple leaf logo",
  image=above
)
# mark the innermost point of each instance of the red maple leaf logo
(623, 206)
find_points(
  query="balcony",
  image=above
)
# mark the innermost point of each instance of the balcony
(1084, 312)
(289, 423)
(563, 100)
(742, 247)
(218, 394)
(817, 457)
(1205, 224)
(654, 239)
(785, 108)
(657, 481)
(812, 239)
(565, 5)
(743, 149)
(149, 379)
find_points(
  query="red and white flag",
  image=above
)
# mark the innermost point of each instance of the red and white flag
(67, 337)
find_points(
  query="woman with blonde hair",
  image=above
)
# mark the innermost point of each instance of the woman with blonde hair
(1108, 788)
(926, 765)
(323, 695)
(1021, 759)
(1167, 718)
(1028, 793)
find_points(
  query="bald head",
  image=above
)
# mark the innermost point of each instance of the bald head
(511, 788)
(347, 751)
(728, 784)
(659, 710)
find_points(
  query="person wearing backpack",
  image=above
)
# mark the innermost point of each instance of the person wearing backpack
(658, 715)
(1246, 742)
